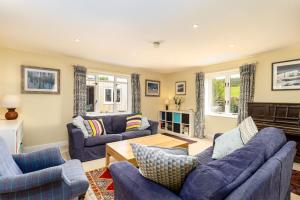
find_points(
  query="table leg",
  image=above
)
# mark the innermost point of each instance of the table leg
(107, 159)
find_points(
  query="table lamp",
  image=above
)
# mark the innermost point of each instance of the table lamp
(11, 102)
(167, 102)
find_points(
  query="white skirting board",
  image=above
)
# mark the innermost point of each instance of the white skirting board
(63, 145)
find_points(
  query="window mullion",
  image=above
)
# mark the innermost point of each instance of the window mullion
(227, 94)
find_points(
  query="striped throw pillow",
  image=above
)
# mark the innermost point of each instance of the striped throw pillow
(133, 122)
(95, 127)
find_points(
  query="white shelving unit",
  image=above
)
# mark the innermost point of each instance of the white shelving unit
(176, 122)
(12, 133)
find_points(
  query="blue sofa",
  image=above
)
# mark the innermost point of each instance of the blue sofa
(261, 170)
(92, 148)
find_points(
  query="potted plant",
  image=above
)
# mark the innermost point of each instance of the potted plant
(178, 101)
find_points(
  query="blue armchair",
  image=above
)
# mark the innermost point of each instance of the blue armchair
(40, 175)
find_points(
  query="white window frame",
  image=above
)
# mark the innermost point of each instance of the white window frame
(208, 93)
(115, 75)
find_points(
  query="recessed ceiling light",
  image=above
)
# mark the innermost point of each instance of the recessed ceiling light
(231, 45)
(77, 40)
(195, 26)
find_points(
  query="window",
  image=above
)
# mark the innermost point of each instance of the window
(108, 93)
(223, 93)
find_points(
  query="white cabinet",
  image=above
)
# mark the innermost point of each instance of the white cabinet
(179, 122)
(12, 133)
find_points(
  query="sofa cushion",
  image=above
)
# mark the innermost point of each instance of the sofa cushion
(79, 123)
(119, 123)
(134, 134)
(166, 169)
(224, 175)
(227, 143)
(102, 139)
(107, 121)
(95, 127)
(133, 122)
(248, 129)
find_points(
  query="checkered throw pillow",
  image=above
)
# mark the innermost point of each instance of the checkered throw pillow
(166, 169)
(248, 129)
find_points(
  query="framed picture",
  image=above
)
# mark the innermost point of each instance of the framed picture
(152, 88)
(180, 88)
(38, 80)
(286, 75)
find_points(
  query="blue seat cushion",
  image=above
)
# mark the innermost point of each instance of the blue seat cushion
(216, 179)
(135, 134)
(8, 167)
(102, 139)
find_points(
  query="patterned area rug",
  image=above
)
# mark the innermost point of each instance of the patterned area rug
(101, 183)
(295, 182)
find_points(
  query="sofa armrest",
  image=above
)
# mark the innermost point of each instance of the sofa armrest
(76, 142)
(153, 126)
(31, 180)
(29, 162)
(132, 185)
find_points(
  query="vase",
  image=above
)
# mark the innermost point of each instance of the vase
(178, 107)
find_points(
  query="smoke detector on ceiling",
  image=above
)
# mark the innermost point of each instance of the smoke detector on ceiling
(157, 44)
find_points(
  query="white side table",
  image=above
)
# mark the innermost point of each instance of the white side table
(12, 133)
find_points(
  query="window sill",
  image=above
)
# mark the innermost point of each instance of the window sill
(222, 115)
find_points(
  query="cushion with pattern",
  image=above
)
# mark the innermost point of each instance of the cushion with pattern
(95, 127)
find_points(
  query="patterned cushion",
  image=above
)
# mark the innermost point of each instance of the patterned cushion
(248, 129)
(227, 143)
(95, 127)
(166, 169)
(133, 122)
(145, 124)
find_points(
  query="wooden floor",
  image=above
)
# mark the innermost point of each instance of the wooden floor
(193, 149)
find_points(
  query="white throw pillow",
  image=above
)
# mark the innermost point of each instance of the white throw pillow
(145, 124)
(78, 122)
(227, 143)
(248, 129)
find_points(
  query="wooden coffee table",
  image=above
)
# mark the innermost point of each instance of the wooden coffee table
(122, 150)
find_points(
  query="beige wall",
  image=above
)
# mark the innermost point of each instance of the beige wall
(263, 91)
(45, 116)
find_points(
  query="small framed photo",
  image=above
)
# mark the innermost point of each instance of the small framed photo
(286, 75)
(180, 88)
(38, 80)
(152, 88)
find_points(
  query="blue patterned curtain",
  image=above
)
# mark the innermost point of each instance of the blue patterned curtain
(247, 74)
(136, 93)
(79, 90)
(199, 115)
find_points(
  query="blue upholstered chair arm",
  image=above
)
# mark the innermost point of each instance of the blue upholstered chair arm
(153, 126)
(30, 180)
(29, 162)
(132, 185)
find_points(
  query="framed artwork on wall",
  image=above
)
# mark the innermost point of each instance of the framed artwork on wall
(286, 75)
(152, 88)
(180, 88)
(38, 80)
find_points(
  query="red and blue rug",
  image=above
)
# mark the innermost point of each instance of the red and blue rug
(101, 183)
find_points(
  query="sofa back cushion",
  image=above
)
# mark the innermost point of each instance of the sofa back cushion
(218, 178)
(119, 123)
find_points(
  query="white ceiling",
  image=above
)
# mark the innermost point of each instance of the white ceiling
(120, 31)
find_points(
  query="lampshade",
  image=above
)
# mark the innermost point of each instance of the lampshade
(167, 101)
(11, 101)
